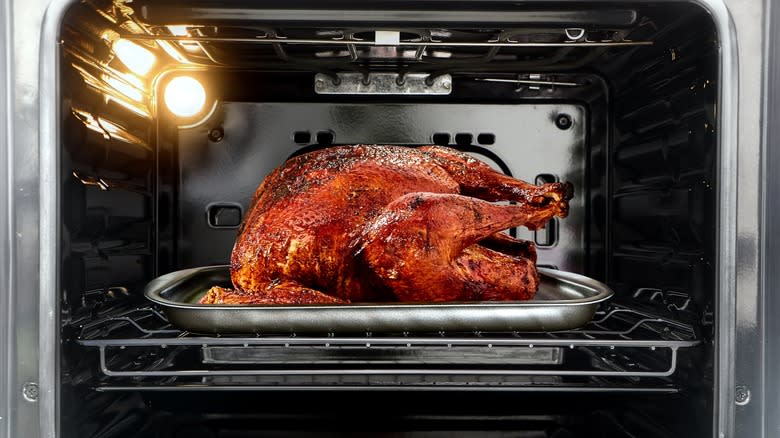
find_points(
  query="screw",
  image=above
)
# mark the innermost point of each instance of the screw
(216, 134)
(30, 391)
(741, 395)
(563, 121)
(319, 84)
(446, 85)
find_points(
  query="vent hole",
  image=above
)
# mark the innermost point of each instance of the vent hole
(463, 139)
(302, 137)
(486, 138)
(223, 215)
(325, 137)
(441, 139)
(545, 178)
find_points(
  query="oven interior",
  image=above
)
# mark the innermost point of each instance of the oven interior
(620, 99)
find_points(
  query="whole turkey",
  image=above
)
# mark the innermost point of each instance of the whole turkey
(369, 223)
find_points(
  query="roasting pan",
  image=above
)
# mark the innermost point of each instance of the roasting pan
(565, 301)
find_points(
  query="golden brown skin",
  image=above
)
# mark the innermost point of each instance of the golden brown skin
(281, 295)
(388, 223)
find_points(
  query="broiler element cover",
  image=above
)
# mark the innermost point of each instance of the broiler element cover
(384, 83)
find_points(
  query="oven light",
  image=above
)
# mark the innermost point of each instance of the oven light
(138, 59)
(185, 96)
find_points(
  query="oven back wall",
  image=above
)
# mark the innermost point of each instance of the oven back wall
(217, 177)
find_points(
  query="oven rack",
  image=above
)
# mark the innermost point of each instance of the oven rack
(351, 42)
(435, 51)
(622, 349)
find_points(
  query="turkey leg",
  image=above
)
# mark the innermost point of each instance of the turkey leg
(509, 245)
(423, 247)
(480, 180)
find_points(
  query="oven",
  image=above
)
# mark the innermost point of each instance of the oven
(135, 134)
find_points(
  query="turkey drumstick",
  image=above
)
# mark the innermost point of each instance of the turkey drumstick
(416, 248)
(479, 180)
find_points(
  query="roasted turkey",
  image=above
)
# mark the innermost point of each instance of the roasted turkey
(388, 223)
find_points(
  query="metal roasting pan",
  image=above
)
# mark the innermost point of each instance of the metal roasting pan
(564, 301)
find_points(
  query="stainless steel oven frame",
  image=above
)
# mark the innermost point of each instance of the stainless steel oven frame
(746, 402)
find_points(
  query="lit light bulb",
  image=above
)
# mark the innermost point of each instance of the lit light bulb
(138, 59)
(184, 96)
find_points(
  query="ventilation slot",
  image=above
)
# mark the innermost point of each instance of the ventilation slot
(486, 139)
(325, 137)
(463, 139)
(302, 137)
(441, 139)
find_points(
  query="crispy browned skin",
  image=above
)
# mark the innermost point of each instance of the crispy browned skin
(281, 295)
(388, 223)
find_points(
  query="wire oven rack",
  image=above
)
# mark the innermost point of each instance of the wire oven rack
(438, 51)
(622, 349)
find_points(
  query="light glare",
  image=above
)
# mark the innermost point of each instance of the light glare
(124, 88)
(185, 96)
(182, 30)
(170, 50)
(138, 59)
(178, 30)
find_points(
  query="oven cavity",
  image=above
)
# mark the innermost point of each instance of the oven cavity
(620, 99)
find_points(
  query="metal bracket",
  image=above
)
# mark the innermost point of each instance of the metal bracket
(383, 83)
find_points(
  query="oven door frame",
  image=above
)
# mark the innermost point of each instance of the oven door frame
(29, 221)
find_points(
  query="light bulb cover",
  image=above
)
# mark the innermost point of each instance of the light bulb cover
(184, 96)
